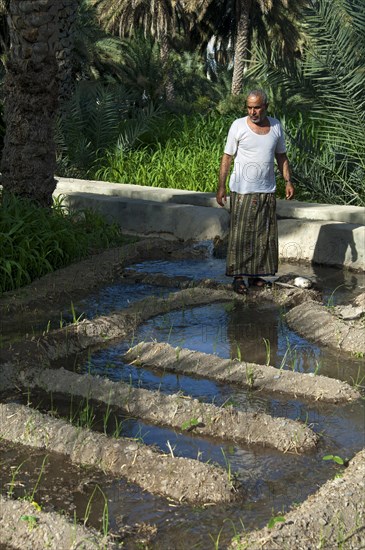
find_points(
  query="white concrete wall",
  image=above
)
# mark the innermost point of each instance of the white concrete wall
(325, 234)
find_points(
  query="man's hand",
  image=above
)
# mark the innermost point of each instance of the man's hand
(289, 191)
(221, 197)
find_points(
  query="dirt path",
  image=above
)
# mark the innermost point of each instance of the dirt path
(319, 323)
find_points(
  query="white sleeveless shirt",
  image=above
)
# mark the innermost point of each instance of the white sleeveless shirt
(254, 154)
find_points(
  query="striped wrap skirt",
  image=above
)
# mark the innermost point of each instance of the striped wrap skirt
(253, 236)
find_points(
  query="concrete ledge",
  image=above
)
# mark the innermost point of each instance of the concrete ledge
(130, 191)
(327, 237)
(326, 212)
(285, 209)
(149, 218)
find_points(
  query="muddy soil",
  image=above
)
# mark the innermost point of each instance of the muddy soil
(25, 527)
(165, 474)
(180, 412)
(326, 325)
(178, 478)
(331, 518)
(249, 375)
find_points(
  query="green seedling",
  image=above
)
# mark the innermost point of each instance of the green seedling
(31, 520)
(47, 329)
(331, 299)
(230, 402)
(318, 367)
(239, 355)
(283, 361)
(189, 425)
(105, 516)
(170, 332)
(337, 459)
(35, 488)
(13, 478)
(228, 466)
(118, 427)
(87, 416)
(106, 417)
(75, 319)
(274, 520)
(360, 379)
(268, 350)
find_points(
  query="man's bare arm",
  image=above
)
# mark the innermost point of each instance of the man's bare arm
(283, 165)
(221, 196)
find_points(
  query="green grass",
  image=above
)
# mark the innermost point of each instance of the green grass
(188, 158)
(185, 155)
(35, 241)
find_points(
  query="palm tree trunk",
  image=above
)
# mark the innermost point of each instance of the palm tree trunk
(241, 45)
(64, 52)
(165, 58)
(31, 97)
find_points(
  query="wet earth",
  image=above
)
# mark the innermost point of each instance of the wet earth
(252, 331)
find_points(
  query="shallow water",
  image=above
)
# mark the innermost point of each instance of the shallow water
(100, 302)
(337, 285)
(273, 481)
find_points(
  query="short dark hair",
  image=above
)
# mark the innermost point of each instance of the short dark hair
(260, 93)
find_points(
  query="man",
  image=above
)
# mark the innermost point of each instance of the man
(254, 141)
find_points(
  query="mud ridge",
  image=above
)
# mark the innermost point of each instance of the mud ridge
(331, 518)
(280, 293)
(82, 335)
(319, 324)
(177, 411)
(82, 277)
(45, 529)
(181, 479)
(248, 375)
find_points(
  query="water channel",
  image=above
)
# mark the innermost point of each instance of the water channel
(273, 481)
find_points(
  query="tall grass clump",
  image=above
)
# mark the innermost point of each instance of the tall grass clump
(35, 240)
(188, 158)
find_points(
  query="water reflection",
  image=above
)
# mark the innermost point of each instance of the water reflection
(254, 334)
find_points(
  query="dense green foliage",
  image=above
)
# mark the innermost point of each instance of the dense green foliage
(187, 159)
(118, 126)
(35, 241)
(117, 133)
(326, 129)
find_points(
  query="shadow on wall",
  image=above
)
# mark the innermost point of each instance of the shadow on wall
(334, 246)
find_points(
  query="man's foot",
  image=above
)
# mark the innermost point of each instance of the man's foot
(239, 285)
(258, 282)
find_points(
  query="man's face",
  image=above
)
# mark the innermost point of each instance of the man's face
(256, 109)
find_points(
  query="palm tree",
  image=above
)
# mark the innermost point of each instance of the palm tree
(4, 30)
(31, 92)
(158, 18)
(97, 54)
(240, 24)
(328, 144)
(241, 43)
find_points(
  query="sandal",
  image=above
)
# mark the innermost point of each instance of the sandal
(239, 285)
(258, 282)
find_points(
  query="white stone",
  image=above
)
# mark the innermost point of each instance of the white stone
(302, 282)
